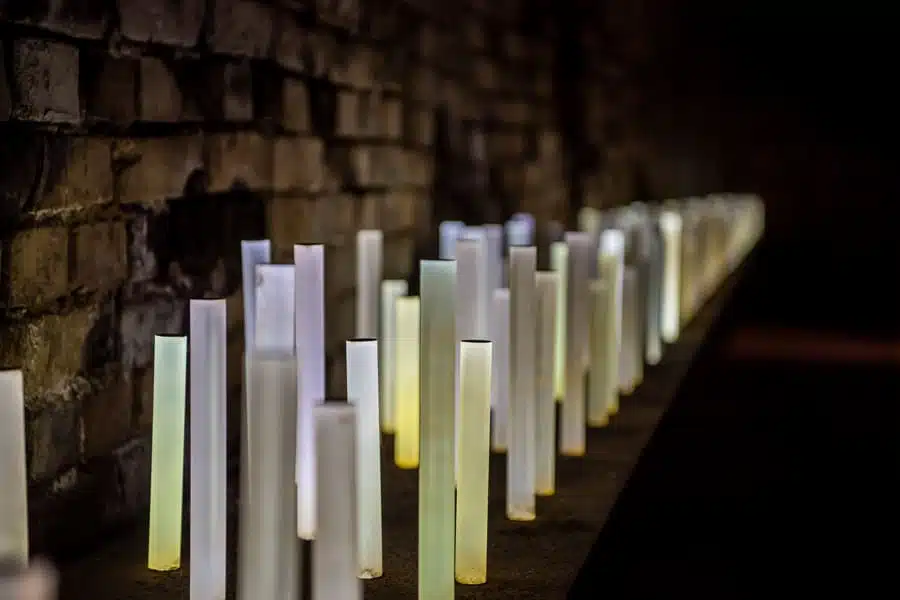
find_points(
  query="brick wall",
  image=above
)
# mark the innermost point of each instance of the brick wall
(140, 140)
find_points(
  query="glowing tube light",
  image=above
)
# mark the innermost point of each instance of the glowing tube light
(275, 308)
(38, 581)
(483, 289)
(653, 308)
(518, 232)
(494, 242)
(369, 249)
(362, 392)
(467, 256)
(13, 476)
(628, 374)
(309, 340)
(612, 270)
(208, 326)
(520, 505)
(406, 438)
(598, 390)
(391, 289)
(528, 229)
(436, 477)
(559, 263)
(500, 370)
(670, 226)
(167, 466)
(474, 459)
(335, 561)
(572, 420)
(449, 232)
(545, 427)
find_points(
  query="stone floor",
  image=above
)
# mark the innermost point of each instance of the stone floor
(537, 560)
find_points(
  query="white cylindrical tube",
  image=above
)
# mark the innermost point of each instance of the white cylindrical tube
(362, 392)
(474, 459)
(482, 290)
(437, 297)
(406, 438)
(208, 481)
(545, 428)
(335, 564)
(391, 289)
(253, 253)
(627, 368)
(559, 263)
(520, 504)
(449, 232)
(467, 257)
(494, 237)
(599, 384)
(612, 269)
(528, 229)
(269, 559)
(670, 226)
(369, 250)
(572, 420)
(309, 339)
(13, 476)
(653, 344)
(274, 308)
(500, 370)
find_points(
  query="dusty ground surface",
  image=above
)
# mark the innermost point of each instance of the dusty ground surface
(526, 561)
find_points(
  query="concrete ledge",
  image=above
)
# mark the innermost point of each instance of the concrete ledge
(527, 561)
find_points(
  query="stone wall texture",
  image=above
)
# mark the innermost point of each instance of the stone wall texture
(141, 140)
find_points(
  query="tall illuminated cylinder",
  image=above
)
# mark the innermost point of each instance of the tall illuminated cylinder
(628, 373)
(598, 390)
(269, 560)
(208, 481)
(335, 564)
(449, 232)
(500, 370)
(474, 458)
(406, 391)
(520, 505)
(670, 227)
(369, 250)
(611, 256)
(572, 420)
(545, 427)
(309, 343)
(362, 392)
(436, 472)
(391, 289)
(13, 476)
(483, 289)
(467, 257)
(275, 308)
(167, 459)
(494, 242)
(653, 302)
(559, 263)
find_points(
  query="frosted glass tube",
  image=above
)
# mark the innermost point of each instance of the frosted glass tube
(467, 252)
(500, 370)
(208, 480)
(335, 563)
(167, 458)
(627, 367)
(572, 419)
(269, 560)
(670, 226)
(612, 269)
(474, 459)
(362, 392)
(436, 477)
(449, 232)
(253, 253)
(391, 289)
(494, 237)
(545, 434)
(406, 438)
(653, 310)
(520, 471)
(309, 339)
(274, 308)
(482, 290)
(369, 250)
(528, 228)
(13, 475)
(518, 232)
(559, 263)
(599, 384)
(37, 581)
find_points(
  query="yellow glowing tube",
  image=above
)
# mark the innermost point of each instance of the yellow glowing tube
(166, 471)
(545, 414)
(406, 390)
(474, 458)
(670, 226)
(436, 472)
(13, 477)
(559, 263)
(598, 388)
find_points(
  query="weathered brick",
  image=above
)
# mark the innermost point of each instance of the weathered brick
(101, 257)
(5, 99)
(159, 167)
(391, 119)
(111, 89)
(347, 114)
(340, 324)
(79, 174)
(53, 435)
(419, 128)
(48, 349)
(299, 164)
(287, 226)
(237, 103)
(370, 211)
(162, 21)
(292, 47)
(398, 210)
(241, 28)
(332, 218)
(295, 106)
(160, 98)
(38, 265)
(355, 68)
(340, 267)
(485, 74)
(369, 113)
(76, 18)
(337, 374)
(243, 158)
(398, 258)
(423, 85)
(106, 417)
(46, 81)
(344, 13)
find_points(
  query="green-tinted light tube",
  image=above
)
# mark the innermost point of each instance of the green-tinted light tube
(559, 263)
(598, 388)
(545, 428)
